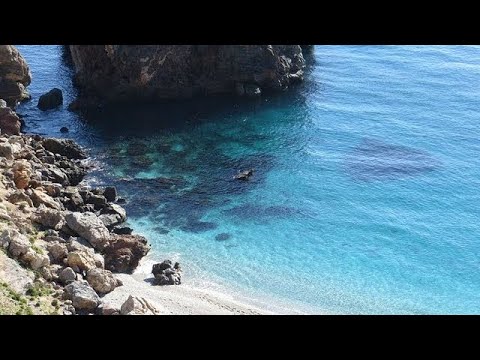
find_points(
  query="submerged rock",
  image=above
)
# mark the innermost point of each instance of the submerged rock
(167, 274)
(223, 237)
(244, 175)
(50, 100)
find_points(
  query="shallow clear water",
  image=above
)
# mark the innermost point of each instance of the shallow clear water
(364, 198)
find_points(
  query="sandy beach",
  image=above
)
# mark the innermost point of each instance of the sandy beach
(178, 300)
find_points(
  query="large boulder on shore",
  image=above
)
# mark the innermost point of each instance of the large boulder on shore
(123, 252)
(14, 75)
(90, 227)
(114, 72)
(138, 306)
(82, 295)
(166, 273)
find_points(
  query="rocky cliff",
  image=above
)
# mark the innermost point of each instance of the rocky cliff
(112, 72)
(14, 75)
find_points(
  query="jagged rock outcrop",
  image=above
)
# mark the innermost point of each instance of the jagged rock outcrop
(113, 72)
(14, 75)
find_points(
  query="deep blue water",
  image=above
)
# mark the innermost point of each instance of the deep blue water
(365, 197)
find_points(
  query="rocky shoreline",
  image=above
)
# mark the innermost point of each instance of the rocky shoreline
(69, 235)
(61, 242)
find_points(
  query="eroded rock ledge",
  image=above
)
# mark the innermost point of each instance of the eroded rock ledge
(113, 72)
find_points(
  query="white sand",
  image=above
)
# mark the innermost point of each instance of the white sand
(177, 299)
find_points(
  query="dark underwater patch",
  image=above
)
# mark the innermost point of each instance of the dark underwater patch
(377, 160)
(223, 236)
(252, 212)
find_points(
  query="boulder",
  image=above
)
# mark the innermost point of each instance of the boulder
(244, 175)
(81, 260)
(167, 274)
(13, 274)
(252, 90)
(14, 75)
(35, 259)
(138, 306)
(107, 309)
(6, 149)
(110, 220)
(122, 230)
(101, 280)
(124, 252)
(114, 72)
(57, 251)
(67, 275)
(64, 147)
(50, 100)
(19, 196)
(90, 227)
(5, 238)
(117, 209)
(48, 217)
(40, 198)
(98, 201)
(21, 174)
(18, 243)
(110, 193)
(82, 295)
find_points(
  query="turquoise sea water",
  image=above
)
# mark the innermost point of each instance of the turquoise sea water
(366, 189)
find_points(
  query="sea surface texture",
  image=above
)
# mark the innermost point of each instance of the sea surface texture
(366, 190)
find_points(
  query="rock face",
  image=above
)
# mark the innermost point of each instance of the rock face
(113, 72)
(167, 274)
(50, 100)
(14, 75)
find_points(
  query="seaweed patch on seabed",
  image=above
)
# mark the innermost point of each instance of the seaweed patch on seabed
(374, 160)
(259, 213)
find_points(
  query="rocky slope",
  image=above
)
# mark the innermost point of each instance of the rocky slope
(113, 72)
(61, 234)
